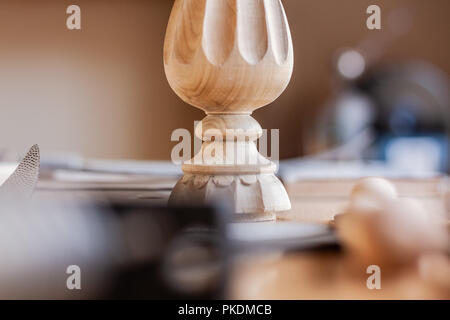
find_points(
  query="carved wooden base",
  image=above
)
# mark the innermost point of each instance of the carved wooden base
(254, 197)
(229, 167)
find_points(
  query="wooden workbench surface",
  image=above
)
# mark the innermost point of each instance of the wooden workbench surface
(318, 201)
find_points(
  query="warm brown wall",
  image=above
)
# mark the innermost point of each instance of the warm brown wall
(102, 92)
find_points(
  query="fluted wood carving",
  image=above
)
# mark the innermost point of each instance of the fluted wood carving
(229, 58)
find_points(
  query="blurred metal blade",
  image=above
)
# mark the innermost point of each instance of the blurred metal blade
(23, 180)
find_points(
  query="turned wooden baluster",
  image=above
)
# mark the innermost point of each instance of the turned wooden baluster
(229, 58)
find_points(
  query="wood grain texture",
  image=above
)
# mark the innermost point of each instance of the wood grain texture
(229, 58)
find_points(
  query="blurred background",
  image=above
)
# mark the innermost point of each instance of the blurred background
(361, 103)
(101, 91)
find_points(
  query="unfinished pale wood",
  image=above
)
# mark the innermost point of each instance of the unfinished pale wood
(229, 58)
(430, 187)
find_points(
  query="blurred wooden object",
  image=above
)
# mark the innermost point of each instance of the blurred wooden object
(229, 58)
(334, 274)
(379, 227)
